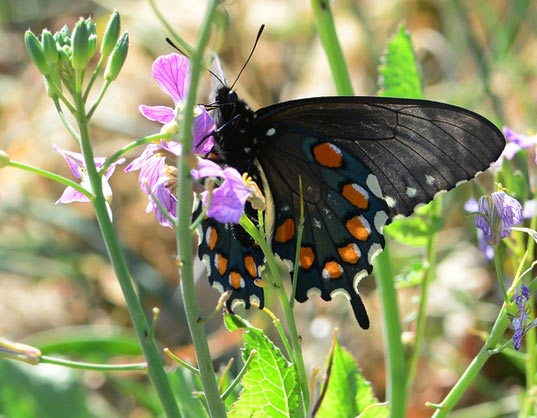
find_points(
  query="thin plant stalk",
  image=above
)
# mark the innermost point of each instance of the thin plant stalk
(155, 366)
(93, 366)
(183, 233)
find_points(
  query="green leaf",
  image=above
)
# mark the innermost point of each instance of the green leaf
(234, 322)
(412, 275)
(399, 71)
(270, 387)
(348, 393)
(415, 230)
(184, 384)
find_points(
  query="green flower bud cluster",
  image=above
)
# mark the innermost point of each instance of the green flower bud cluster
(60, 55)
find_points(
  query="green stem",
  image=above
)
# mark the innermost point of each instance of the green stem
(237, 380)
(64, 120)
(93, 78)
(329, 39)
(396, 390)
(183, 234)
(155, 366)
(52, 176)
(420, 323)
(498, 266)
(98, 101)
(181, 362)
(287, 310)
(130, 146)
(488, 349)
(93, 366)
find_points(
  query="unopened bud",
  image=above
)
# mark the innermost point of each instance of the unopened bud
(116, 60)
(64, 36)
(65, 54)
(20, 352)
(4, 158)
(35, 49)
(92, 38)
(111, 34)
(49, 47)
(79, 46)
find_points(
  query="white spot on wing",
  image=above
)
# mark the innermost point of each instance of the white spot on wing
(237, 302)
(373, 184)
(316, 223)
(207, 261)
(411, 191)
(357, 278)
(254, 300)
(218, 286)
(208, 235)
(390, 201)
(374, 250)
(314, 291)
(380, 220)
(271, 132)
(429, 180)
(343, 292)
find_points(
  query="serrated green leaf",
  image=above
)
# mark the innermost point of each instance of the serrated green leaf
(233, 322)
(348, 393)
(399, 71)
(270, 387)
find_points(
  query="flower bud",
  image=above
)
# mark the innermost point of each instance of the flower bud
(20, 352)
(111, 34)
(79, 46)
(53, 77)
(64, 36)
(35, 49)
(4, 158)
(92, 38)
(116, 60)
(49, 47)
(65, 54)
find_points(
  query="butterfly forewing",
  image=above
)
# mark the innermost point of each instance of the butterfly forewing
(415, 148)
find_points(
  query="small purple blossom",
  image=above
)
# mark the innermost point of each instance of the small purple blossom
(520, 320)
(172, 74)
(158, 177)
(77, 165)
(496, 215)
(515, 143)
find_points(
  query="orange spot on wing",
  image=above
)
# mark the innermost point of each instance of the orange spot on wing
(286, 231)
(235, 280)
(249, 264)
(328, 155)
(221, 264)
(307, 257)
(357, 229)
(332, 270)
(212, 238)
(354, 195)
(350, 253)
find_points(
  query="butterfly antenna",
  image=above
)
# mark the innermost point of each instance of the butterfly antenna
(249, 56)
(173, 45)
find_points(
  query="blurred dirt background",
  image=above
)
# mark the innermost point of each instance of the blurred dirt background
(54, 273)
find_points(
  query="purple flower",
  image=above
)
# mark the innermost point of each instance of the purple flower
(520, 320)
(158, 177)
(77, 165)
(515, 143)
(497, 214)
(172, 74)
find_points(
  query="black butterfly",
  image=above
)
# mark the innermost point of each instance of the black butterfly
(362, 161)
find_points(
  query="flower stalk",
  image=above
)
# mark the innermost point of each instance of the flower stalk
(183, 234)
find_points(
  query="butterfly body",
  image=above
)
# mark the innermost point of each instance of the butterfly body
(362, 161)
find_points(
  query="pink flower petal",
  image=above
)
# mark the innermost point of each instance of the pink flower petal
(203, 130)
(227, 203)
(172, 73)
(207, 168)
(72, 195)
(162, 114)
(110, 170)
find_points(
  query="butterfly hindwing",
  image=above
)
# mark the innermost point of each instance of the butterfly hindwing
(343, 216)
(230, 265)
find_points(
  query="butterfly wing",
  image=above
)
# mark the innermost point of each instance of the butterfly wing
(362, 161)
